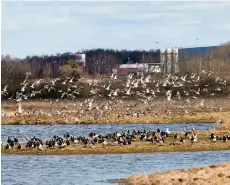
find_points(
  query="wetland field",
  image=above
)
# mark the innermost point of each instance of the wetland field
(122, 136)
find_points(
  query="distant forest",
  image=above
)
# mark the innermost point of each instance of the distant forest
(98, 61)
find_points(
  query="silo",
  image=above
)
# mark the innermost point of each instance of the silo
(163, 60)
(175, 56)
(169, 60)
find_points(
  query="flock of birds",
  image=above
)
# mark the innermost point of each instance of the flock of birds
(143, 89)
(119, 138)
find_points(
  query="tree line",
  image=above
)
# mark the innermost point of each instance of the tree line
(98, 62)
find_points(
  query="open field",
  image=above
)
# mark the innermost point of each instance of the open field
(30, 119)
(211, 175)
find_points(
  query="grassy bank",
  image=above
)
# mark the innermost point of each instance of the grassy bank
(215, 175)
(170, 145)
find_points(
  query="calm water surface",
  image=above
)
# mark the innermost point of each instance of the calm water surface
(47, 131)
(96, 169)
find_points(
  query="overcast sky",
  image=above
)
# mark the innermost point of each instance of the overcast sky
(55, 27)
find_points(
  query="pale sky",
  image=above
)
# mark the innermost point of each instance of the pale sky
(56, 27)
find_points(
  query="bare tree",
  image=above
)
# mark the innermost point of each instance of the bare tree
(217, 61)
(101, 64)
(46, 71)
(150, 58)
(13, 73)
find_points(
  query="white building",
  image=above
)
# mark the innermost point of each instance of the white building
(81, 58)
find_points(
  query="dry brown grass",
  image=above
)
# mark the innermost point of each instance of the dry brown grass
(211, 175)
(30, 119)
(197, 114)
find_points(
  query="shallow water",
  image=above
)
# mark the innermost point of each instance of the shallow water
(97, 169)
(47, 131)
